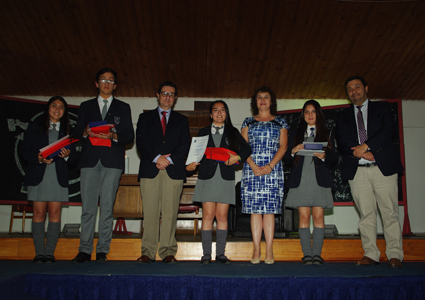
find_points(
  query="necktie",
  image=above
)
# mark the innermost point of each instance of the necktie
(104, 109)
(311, 132)
(360, 125)
(53, 126)
(164, 121)
(217, 129)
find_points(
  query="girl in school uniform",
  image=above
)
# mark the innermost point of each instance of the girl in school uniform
(215, 187)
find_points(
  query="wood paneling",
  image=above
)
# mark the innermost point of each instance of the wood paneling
(338, 249)
(213, 48)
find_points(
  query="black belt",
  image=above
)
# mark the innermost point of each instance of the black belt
(372, 164)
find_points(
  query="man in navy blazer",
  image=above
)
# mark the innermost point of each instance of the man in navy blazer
(163, 141)
(371, 163)
(101, 166)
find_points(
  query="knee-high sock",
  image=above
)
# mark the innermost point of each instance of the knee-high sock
(305, 240)
(318, 236)
(53, 231)
(221, 236)
(38, 237)
(206, 242)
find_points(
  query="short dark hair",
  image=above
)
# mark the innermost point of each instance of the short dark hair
(103, 71)
(167, 83)
(273, 103)
(354, 78)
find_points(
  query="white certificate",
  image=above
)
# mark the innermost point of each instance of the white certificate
(197, 149)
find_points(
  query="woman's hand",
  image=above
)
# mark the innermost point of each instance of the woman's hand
(256, 170)
(232, 159)
(44, 160)
(297, 148)
(192, 166)
(266, 170)
(64, 153)
(320, 155)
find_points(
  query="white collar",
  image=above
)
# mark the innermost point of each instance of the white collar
(57, 127)
(221, 130)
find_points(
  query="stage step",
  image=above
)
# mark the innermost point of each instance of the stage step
(127, 248)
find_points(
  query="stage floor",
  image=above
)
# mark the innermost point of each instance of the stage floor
(191, 280)
(341, 248)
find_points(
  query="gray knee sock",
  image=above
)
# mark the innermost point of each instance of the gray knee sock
(318, 236)
(206, 242)
(221, 236)
(52, 236)
(305, 240)
(38, 237)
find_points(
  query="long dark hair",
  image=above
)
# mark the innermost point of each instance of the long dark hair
(229, 129)
(273, 102)
(322, 134)
(44, 122)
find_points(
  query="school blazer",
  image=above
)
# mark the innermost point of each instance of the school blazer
(322, 169)
(34, 140)
(119, 113)
(208, 166)
(150, 142)
(380, 131)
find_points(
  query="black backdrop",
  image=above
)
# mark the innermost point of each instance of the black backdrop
(15, 116)
(17, 113)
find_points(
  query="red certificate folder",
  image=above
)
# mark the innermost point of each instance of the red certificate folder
(104, 128)
(54, 149)
(219, 154)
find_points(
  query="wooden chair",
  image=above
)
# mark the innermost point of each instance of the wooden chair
(187, 209)
(20, 208)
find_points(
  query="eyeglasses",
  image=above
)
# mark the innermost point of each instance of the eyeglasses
(106, 81)
(165, 94)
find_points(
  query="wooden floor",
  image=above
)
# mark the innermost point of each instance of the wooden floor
(18, 246)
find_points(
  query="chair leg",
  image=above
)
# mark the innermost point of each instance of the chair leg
(23, 221)
(195, 227)
(11, 221)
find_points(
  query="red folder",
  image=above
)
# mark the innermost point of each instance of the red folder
(101, 129)
(54, 148)
(219, 154)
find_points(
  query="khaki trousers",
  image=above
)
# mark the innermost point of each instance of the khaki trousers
(372, 190)
(161, 199)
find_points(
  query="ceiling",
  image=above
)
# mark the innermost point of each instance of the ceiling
(213, 48)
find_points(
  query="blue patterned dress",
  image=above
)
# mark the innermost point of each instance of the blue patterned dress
(263, 194)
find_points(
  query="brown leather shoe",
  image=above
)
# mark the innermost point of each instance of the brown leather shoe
(366, 261)
(170, 259)
(394, 263)
(144, 259)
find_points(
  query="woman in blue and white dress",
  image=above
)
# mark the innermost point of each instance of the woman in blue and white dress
(262, 175)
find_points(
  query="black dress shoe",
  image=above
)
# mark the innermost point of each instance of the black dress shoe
(144, 259)
(49, 259)
(307, 260)
(101, 257)
(394, 263)
(222, 259)
(366, 261)
(39, 259)
(170, 259)
(317, 260)
(206, 259)
(82, 258)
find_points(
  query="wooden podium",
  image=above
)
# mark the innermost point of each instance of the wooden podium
(128, 202)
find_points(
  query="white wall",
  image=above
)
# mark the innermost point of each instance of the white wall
(345, 218)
